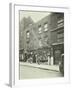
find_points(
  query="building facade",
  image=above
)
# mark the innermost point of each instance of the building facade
(57, 38)
(46, 37)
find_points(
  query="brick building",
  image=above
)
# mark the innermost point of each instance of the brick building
(57, 38)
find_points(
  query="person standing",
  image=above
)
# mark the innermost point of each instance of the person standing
(25, 58)
(49, 59)
(34, 58)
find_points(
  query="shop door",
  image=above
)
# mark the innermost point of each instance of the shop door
(57, 57)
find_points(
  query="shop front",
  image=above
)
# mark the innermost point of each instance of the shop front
(58, 50)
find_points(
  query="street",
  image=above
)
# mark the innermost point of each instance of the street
(27, 72)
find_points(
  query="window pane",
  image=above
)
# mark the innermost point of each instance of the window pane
(40, 30)
(45, 27)
(28, 34)
(40, 43)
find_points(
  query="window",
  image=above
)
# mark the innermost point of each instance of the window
(60, 22)
(45, 27)
(60, 37)
(40, 29)
(40, 43)
(28, 34)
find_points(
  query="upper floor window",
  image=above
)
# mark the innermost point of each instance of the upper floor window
(60, 36)
(40, 43)
(45, 27)
(60, 22)
(28, 34)
(40, 29)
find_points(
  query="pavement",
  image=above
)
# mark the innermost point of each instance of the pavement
(41, 66)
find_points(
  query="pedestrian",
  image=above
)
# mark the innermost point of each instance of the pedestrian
(34, 58)
(49, 59)
(25, 58)
(31, 59)
(38, 59)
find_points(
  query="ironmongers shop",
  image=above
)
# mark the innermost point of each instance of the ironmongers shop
(41, 53)
(58, 50)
